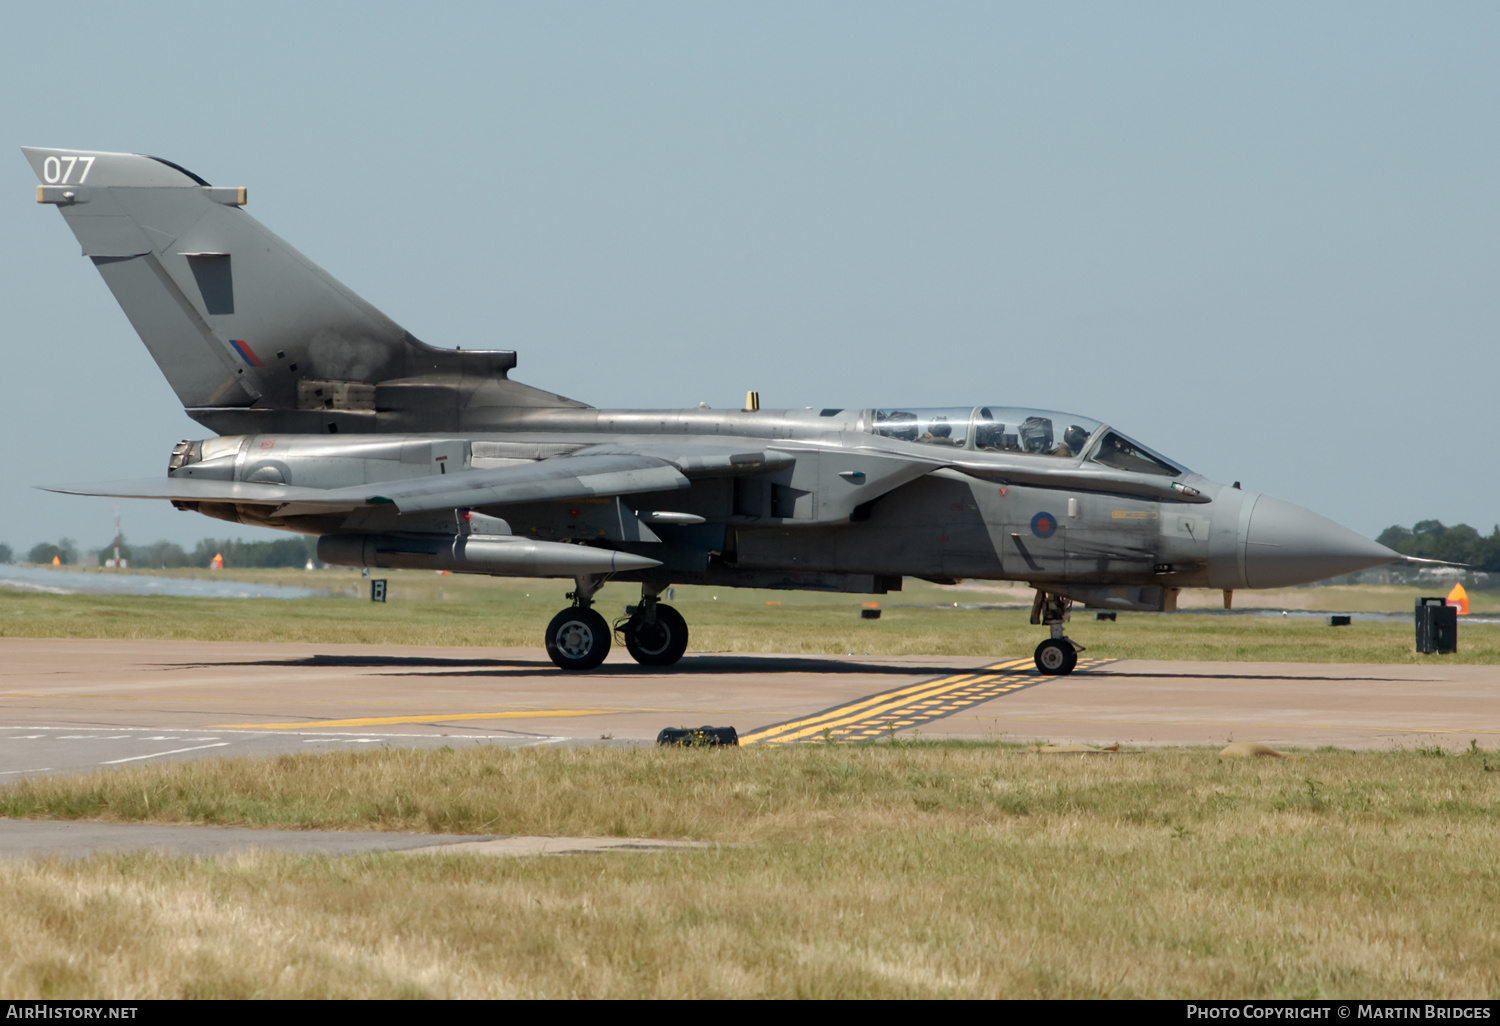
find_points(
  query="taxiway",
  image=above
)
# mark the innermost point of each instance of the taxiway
(74, 705)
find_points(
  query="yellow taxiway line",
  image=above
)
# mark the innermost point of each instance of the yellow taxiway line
(872, 704)
(908, 706)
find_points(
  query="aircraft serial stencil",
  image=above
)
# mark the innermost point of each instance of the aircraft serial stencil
(333, 420)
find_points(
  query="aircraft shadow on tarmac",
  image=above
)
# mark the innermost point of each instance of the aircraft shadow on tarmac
(445, 666)
(703, 664)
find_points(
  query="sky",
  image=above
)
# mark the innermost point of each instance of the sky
(1260, 238)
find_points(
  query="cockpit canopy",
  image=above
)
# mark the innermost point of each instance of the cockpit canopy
(1009, 429)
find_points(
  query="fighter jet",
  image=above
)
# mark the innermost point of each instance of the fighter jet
(332, 420)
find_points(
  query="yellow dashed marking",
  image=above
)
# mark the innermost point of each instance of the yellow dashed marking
(818, 720)
(894, 702)
(907, 706)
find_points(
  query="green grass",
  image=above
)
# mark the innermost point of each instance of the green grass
(427, 609)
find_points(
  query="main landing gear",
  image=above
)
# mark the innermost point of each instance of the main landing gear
(578, 638)
(655, 634)
(1057, 655)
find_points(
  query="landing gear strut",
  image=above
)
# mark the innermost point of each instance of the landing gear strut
(578, 638)
(655, 634)
(1057, 655)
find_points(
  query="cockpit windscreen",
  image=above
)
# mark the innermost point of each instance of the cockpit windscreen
(1119, 452)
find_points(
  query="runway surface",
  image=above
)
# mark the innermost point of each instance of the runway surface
(69, 706)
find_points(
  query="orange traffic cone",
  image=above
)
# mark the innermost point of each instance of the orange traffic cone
(217, 563)
(1460, 598)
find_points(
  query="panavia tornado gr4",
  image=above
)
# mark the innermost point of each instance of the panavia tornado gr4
(330, 419)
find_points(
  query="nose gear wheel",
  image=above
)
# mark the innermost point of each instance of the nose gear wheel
(1055, 657)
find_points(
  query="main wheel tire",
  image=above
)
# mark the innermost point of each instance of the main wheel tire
(578, 639)
(657, 644)
(1055, 657)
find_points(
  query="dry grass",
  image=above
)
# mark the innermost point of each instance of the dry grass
(749, 795)
(872, 871)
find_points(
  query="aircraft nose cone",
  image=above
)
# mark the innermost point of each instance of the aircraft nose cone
(1286, 545)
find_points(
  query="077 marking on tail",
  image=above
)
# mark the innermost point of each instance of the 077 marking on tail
(397, 453)
(54, 173)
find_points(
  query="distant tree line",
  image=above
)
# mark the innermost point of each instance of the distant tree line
(284, 552)
(293, 551)
(65, 551)
(1429, 539)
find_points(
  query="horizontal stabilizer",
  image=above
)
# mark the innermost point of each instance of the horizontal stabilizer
(187, 489)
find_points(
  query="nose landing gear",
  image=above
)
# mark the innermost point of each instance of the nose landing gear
(1058, 655)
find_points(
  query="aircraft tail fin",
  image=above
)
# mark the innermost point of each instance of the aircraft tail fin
(251, 335)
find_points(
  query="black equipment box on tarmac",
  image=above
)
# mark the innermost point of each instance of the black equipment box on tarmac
(694, 736)
(1437, 626)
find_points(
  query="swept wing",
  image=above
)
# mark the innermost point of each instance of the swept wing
(560, 478)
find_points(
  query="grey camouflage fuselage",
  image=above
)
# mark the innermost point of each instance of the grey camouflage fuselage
(335, 421)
